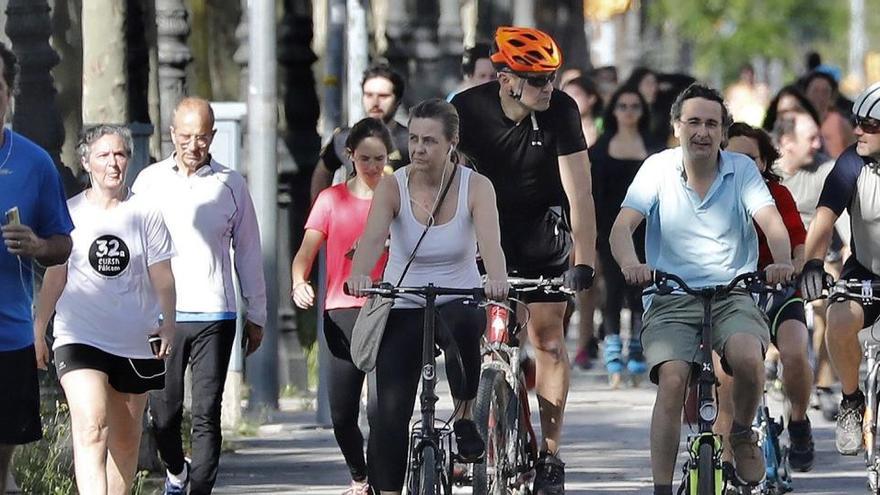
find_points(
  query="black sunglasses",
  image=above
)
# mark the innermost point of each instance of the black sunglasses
(868, 125)
(539, 81)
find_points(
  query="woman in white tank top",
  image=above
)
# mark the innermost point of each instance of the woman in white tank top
(467, 220)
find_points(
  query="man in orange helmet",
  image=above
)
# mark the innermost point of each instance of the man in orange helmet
(526, 137)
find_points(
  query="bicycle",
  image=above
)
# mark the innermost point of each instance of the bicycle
(501, 409)
(863, 291)
(703, 472)
(429, 470)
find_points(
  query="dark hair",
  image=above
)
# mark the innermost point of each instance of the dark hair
(813, 60)
(471, 55)
(637, 74)
(609, 120)
(368, 127)
(92, 133)
(767, 151)
(819, 74)
(10, 68)
(383, 70)
(795, 92)
(697, 90)
(588, 86)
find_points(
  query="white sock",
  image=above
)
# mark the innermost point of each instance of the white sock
(179, 478)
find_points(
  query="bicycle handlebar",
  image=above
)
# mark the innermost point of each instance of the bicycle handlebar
(754, 282)
(388, 290)
(556, 284)
(854, 290)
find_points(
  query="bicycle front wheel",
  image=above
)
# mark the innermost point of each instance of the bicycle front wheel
(429, 479)
(706, 470)
(491, 416)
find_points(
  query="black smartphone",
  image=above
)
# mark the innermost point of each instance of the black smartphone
(155, 344)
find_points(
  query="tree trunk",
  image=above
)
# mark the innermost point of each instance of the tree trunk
(105, 84)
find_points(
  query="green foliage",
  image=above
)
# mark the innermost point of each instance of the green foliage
(46, 466)
(732, 32)
(312, 353)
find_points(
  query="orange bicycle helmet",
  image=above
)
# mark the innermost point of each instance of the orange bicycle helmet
(520, 49)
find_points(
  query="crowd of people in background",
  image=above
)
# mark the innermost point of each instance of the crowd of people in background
(184, 213)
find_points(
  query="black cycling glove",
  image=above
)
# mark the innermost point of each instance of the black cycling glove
(814, 279)
(578, 277)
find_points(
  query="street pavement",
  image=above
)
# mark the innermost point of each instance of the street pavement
(605, 447)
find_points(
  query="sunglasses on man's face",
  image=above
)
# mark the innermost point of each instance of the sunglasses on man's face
(539, 81)
(867, 124)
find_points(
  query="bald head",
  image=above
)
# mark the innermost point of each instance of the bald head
(193, 105)
(192, 130)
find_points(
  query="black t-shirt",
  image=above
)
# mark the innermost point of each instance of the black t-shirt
(333, 154)
(525, 176)
(523, 165)
(611, 179)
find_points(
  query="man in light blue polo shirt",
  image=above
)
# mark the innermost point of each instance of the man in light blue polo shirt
(699, 203)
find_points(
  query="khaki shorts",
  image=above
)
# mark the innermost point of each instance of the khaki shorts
(671, 329)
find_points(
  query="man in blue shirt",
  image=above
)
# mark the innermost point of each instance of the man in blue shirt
(30, 183)
(699, 203)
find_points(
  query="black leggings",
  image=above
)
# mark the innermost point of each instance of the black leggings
(616, 292)
(346, 382)
(393, 391)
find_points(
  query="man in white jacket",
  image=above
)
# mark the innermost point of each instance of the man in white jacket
(208, 210)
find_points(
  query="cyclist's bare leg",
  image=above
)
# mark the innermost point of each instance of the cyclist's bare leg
(666, 419)
(744, 355)
(552, 368)
(797, 375)
(463, 408)
(725, 405)
(844, 323)
(825, 377)
(5, 461)
(124, 415)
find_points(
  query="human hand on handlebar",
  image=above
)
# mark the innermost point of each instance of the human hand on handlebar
(578, 277)
(814, 279)
(356, 284)
(640, 274)
(778, 273)
(495, 289)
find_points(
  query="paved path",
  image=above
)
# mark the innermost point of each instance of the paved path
(605, 446)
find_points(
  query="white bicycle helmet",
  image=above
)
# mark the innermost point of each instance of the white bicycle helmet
(867, 104)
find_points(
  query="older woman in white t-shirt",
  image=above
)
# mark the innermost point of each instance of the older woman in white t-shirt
(108, 299)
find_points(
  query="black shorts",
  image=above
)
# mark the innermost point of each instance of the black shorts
(126, 375)
(853, 270)
(20, 397)
(785, 306)
(338, 324)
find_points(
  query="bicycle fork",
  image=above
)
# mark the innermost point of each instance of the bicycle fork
(869, 423)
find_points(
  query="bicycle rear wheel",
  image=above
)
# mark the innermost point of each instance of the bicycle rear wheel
(491, 410)
(706, 470)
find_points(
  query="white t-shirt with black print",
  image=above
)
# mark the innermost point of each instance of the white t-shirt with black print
(109, 301)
